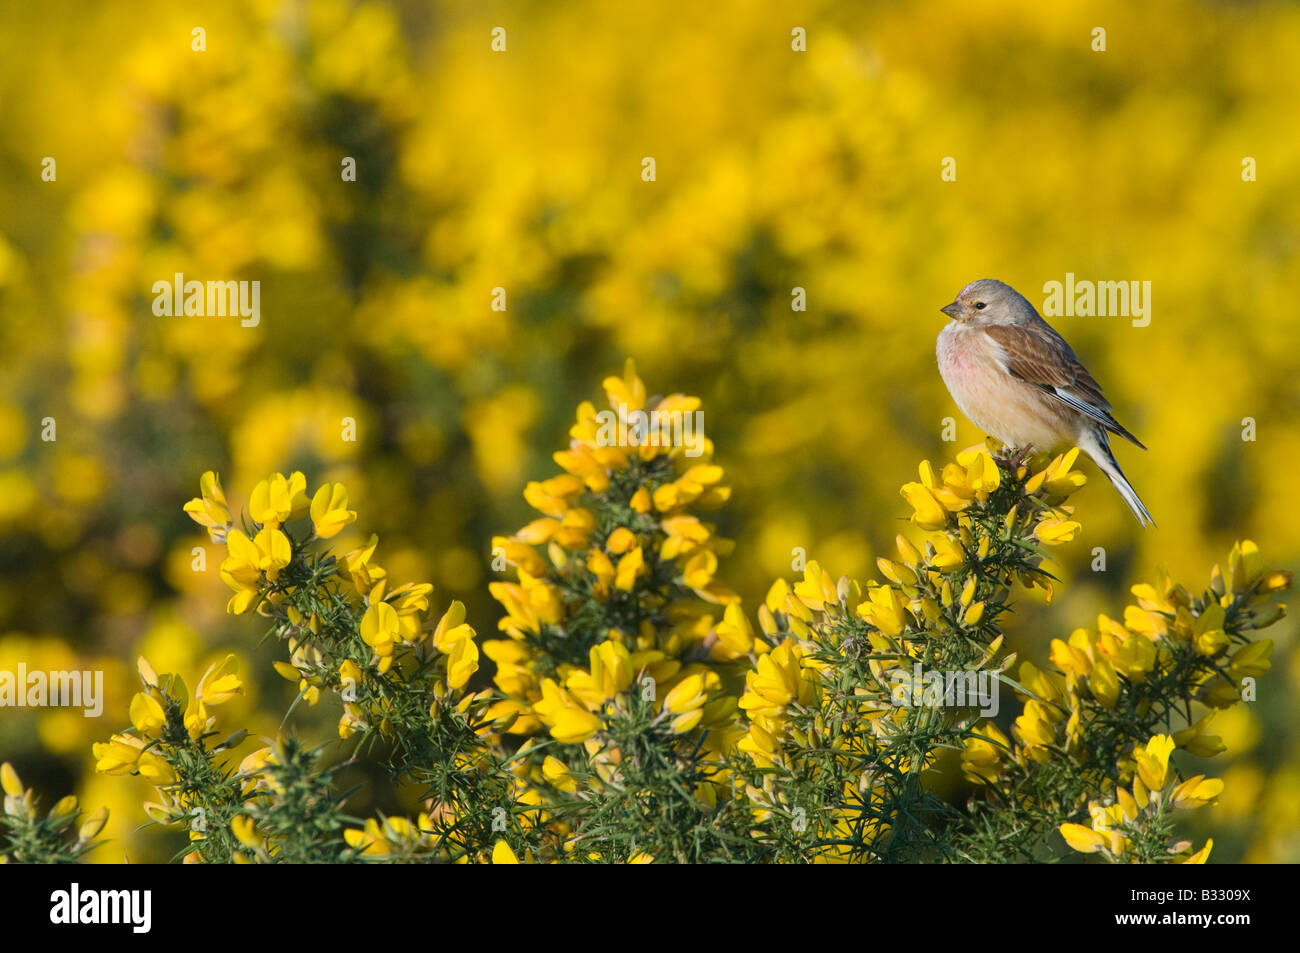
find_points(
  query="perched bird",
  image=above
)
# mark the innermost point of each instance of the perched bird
(1017, 380)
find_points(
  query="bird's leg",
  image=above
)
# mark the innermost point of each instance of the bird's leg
(1003, 456)
(1021, 455)
(1011, 458)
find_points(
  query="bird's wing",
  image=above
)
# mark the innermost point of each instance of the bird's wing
(1038, 355)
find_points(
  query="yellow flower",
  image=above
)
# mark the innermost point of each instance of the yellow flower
(947, 556)
(543, 598)
(906, 551)
(276, 499)
(519, 552)
(1034, 726)
(9, 780)
(1197, 791)
(363, 573)
(975, 475)
(776, 681)
(981, 756)
(598, 565)
(1044, 686)
(735, 635)
(629, 567)
(520, 618)
(266, 553)
(1252, 660)
(219, 684)
(537, 532)
(368, 840)
(575, 528)
(685, 535)
(760, 744)
(462, 661)
(1153, 761)
(620, 541)
(92, 825)
(884, 608)
(1135, 657)
(1195, 740)
(502, 854)
(209, 509)
(700, 569)
(513, 660)
(1218, 692)
(1212, 643)
(244, 830)
(125, 754)
(119, 755)
(1202, 855)
(452, 628)
(928, 512)
(571, 725)
(1083, 839)
(1244, 565)
(686, 701)
(1057, 480)
(817, 588)
(1104, 684)
(1073, 658)
(627, 391)
(379, 630)
(611, 673)
(557, 772)
(559, 710)
(147, 715)
(551, 497)
(409, 601)
(1055, 530)
(329, 510)
(350, 674)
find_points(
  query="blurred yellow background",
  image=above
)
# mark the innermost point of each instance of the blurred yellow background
(522, 169)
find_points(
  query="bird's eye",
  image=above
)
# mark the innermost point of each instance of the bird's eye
(979, 306)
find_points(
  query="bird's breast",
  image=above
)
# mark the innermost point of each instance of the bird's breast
(964, 355)
(974, 369)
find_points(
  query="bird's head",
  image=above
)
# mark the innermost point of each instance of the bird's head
(989, 301)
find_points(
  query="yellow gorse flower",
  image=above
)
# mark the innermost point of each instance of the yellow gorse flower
(1153, 761)
(329, 510)
(209, 508)
(250, 559)
(380, 629)
(278, 499)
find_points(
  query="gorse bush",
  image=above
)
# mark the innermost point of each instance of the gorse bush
(637, 712)
(28, 837)
(429, 313)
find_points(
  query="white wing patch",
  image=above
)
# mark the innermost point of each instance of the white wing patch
(1083, 407)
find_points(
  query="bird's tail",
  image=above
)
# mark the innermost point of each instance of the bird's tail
(1096, 444)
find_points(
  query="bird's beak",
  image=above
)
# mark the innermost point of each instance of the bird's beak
(952, 310)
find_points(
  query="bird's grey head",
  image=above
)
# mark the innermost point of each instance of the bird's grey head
(989, 301)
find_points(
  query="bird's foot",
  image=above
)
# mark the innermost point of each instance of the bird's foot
(1015, 459)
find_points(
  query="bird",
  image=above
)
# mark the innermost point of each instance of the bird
(1018, 380)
